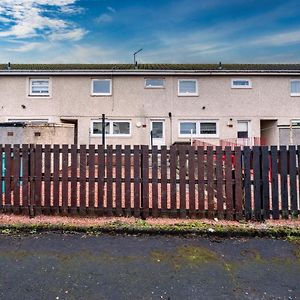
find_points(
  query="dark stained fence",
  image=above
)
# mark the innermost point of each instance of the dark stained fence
(259, 183)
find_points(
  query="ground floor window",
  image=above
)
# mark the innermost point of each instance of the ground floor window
(198, 128)
(112, 128)
(243, 129)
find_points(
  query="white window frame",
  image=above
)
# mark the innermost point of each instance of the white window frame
(101, 94)
(110, 134)
(153, 86)
(241, 86)
(187, 94)
(294, 94)
(198, 134)
(31, 94)
(249, 127)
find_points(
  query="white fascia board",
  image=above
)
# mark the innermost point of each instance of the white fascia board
(144, 72)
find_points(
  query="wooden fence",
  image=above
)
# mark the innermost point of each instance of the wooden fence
(257, 183)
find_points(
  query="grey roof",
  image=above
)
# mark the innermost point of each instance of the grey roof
(149, 67)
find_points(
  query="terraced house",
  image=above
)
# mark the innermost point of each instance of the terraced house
(157, 104)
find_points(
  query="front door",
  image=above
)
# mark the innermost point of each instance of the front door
(157, 134)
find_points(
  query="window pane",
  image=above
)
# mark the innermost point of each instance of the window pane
(295, 87)
(241, 83)
(157, 130)
(121, 128)
(156, 83)
(187, 86)
(97, 128)
(208, 128)
(187, 127)
(40, 86)
(101, 87)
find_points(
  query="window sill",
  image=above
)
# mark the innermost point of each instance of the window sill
(101, 95)
(110, 136)
(188, 95)
(241, 88)
(295, 95)
(39, 96)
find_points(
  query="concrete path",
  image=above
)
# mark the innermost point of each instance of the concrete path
(56, 266)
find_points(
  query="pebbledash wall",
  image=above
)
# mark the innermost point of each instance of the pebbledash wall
(268, 104)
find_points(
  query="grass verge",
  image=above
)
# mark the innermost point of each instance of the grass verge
(195, 228)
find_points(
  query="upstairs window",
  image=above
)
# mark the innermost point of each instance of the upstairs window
(187, 87)
(295, 87)
(154, 83)
(101, 87)
(39, 87)
(241, 84)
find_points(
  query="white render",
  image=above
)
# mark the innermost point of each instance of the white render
(70, 98)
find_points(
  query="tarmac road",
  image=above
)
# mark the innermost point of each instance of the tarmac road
(61, 266)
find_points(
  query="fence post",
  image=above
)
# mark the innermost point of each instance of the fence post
(31, 163)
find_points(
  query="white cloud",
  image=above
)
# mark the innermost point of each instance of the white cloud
(27, 19)
(278, 39)
(111, 9)
(104, 18)
(74, 35)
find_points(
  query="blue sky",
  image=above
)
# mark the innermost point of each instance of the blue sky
(170, 31)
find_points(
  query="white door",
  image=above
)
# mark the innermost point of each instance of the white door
(243, 133)
(157, 134)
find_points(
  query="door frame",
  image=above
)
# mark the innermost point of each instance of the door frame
(163, 121)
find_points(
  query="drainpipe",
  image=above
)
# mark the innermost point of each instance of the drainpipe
(103, 129)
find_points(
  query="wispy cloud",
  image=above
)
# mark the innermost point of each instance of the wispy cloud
(33, 18)
(106, 17)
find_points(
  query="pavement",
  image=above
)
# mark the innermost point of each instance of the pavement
(78, 266)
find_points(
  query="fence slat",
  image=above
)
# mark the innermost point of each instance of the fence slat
(136, 158)
(154, 182)
(257, 182)
(219, 177)
(2, 166)
(164, 185)
(283, 182)
(25, 174)
(228, 177)
(293, 181)
(64, 184)
(56, 163)
(38, 180)
(109, 185)
(247, 182)
(127, 181)
(201, 198)
(145, 181)
(83, 162)
(7, 180)
(210, 181)
(192, 185)
(101, 174)
(265, 181)
(74, 176)
(182, 181)
(275, 195)
(91, 165)
(47, 180)
(119, 180)
(16, 178)
(173, 177)
(238, 184)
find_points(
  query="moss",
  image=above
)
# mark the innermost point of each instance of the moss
(252, 254)
(190, 256)
(143, 227)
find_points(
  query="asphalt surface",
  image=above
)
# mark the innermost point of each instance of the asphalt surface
(57, 266)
